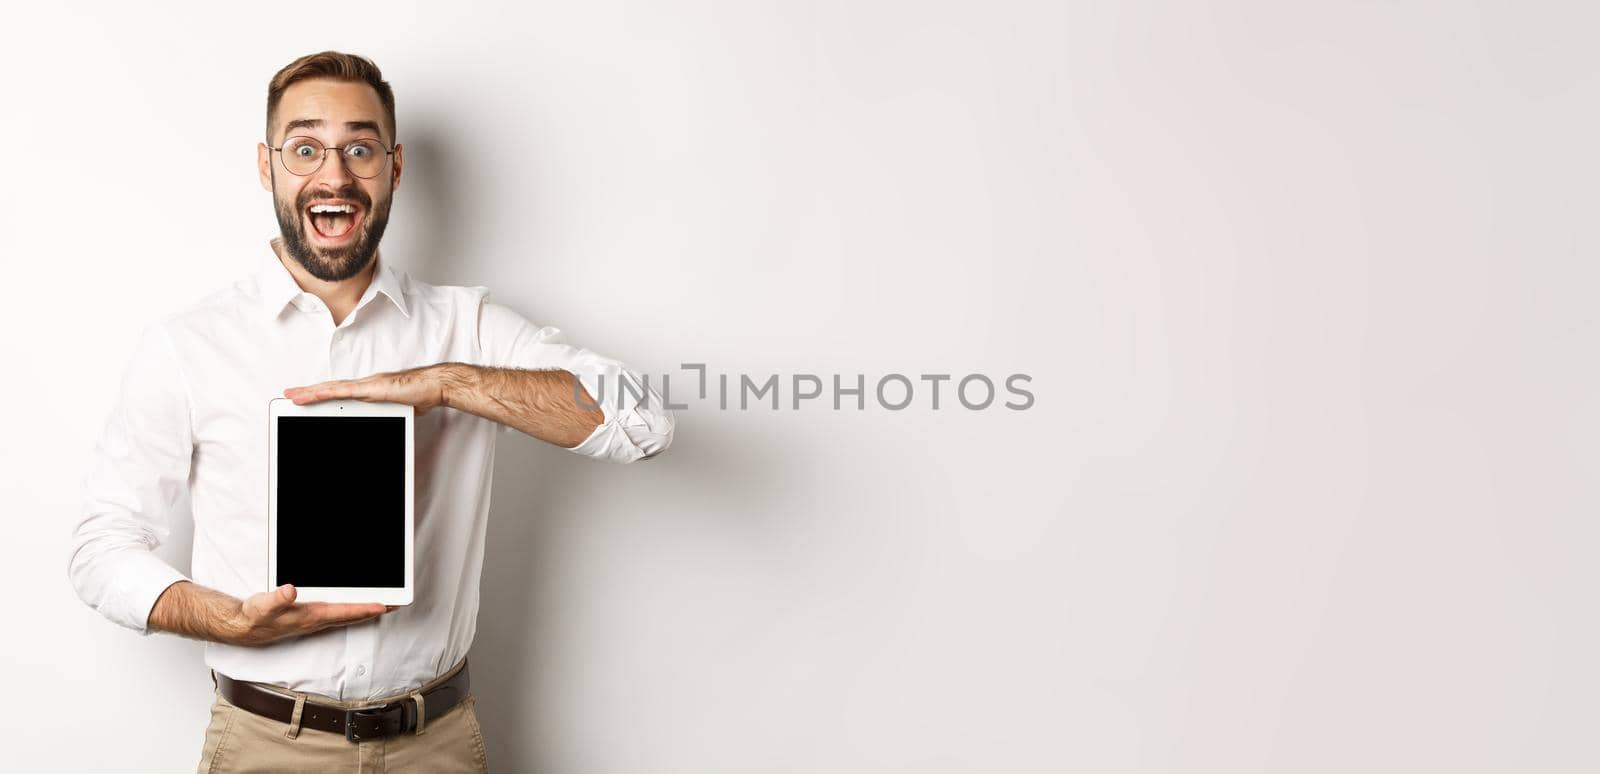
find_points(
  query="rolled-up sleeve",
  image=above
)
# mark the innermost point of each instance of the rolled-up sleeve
(138, 468)
(638, 425)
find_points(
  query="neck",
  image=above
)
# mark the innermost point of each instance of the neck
(342, 296)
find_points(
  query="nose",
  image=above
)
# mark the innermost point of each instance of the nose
(333, 170)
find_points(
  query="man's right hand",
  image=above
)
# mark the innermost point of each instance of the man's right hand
(273, 615)
(203, 613)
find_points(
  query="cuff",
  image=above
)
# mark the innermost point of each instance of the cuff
(141, 578)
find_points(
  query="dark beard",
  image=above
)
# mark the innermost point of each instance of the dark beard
(337, 264)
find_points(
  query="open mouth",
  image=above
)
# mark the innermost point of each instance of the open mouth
(333, 222)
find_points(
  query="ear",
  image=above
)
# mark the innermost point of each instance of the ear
(264, 166)
(399, 161)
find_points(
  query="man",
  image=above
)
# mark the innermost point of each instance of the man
(322, 686)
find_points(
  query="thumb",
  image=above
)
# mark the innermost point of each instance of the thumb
(276, 600)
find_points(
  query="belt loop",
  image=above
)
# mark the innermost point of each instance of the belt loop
(421, 714)
(294, 719)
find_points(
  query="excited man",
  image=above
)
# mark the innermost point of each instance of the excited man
(323, 686)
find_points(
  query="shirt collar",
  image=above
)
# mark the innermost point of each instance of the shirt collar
(278, 288)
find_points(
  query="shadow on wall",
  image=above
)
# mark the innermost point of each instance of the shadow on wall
(433, 204)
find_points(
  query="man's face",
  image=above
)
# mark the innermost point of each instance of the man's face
(332, 247)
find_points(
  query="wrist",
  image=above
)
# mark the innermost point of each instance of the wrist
(189, 609)
(233, 627)
(455, 380)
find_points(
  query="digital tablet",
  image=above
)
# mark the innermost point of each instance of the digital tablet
(340, 491)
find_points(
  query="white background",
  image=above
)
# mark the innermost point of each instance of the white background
(1306, 487)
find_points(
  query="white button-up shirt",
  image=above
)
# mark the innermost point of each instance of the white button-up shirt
(192, 413)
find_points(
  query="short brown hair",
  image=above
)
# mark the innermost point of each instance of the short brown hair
(334, 65)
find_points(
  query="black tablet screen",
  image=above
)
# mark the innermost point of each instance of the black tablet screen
(341, 501)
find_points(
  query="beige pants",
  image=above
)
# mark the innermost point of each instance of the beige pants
(239, 741)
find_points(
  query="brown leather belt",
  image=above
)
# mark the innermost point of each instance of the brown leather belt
(357, 724)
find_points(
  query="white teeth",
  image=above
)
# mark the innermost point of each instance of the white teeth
(332, 208)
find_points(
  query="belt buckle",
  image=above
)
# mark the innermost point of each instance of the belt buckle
(350, 716)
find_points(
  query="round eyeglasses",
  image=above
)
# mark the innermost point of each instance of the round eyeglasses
(304, 155)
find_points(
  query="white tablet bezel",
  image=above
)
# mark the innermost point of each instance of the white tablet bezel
(283, 407)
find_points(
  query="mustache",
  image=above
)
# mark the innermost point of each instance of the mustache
(349, 194)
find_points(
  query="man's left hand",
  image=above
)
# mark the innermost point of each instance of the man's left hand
(421, 387)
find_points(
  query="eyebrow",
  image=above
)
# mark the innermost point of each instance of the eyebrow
(317, 123)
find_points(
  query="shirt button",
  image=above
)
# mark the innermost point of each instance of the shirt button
(361, 670)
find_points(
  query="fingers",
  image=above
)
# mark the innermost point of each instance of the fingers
(332, 616)
(348, 610)
(279, 604)
(323, 391)
(413, 386)
(324, 614)
(360, 389)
